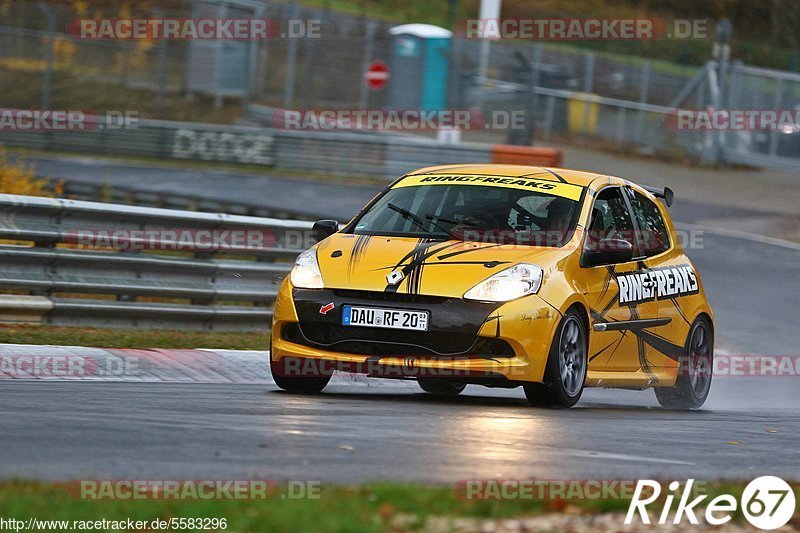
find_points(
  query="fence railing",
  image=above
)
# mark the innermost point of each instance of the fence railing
(327, 72)
(68, 262)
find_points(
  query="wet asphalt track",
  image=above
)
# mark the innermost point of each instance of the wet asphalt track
(355, 432)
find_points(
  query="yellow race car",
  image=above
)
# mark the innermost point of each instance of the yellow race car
(500, 275)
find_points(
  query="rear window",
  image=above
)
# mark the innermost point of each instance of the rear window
(654, 237)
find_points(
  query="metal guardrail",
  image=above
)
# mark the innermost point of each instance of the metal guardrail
(102, 192)
(62, 264)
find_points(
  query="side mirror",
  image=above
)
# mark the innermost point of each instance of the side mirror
(324, 228)
(607, 252)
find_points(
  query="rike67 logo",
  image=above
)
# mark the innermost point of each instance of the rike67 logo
(767, 503)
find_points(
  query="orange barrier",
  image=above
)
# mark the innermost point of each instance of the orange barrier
(527, 155)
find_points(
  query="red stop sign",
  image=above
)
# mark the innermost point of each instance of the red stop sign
(377, 75)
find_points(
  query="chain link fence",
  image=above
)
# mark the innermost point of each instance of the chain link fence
(571, 92)
(754, 88)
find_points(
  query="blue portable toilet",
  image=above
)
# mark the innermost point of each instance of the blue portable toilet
(418, 67)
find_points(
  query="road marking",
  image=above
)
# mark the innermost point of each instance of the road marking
(622, 457)
(753, 237)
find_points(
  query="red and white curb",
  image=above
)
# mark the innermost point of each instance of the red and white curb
(77, 363)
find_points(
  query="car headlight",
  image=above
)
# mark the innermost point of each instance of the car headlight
(509, 284)
(306, 274)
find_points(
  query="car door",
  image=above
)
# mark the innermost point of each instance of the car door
(619, 295)
(674, 277)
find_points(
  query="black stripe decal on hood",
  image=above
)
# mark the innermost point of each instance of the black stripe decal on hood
(416, 257)
(357, 253)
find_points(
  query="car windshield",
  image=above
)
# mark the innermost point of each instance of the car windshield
(471, 213)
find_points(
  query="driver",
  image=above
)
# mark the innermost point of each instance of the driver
(559, 213)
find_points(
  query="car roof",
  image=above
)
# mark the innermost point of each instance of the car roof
(563, 175)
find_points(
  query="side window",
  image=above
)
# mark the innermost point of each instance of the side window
(610, 218)
(654, 236)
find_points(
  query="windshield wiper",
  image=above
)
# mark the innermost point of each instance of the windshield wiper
(467, 221)
(472, 222)
(419, 222)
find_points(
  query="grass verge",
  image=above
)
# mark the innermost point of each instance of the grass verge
(132, 338)
(370, 507)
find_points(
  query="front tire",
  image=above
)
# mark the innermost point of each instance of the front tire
(694, 370)
(298, 384)
(441, 387)
(565, 373)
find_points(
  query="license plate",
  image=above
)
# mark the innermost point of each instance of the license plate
(378, 317)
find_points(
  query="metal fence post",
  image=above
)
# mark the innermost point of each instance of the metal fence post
(220, 46)
(524, 138)
(536, 78)
(619, 135)
(369, 35)
(162, 71)
(47, 82)
(720, 137)
(310, 61)
(773, 134)
(711, 151)
(291, 59)
(588, 84)
(263, 53)
(549, 110)
(644, 88)
(123, 75)
(162, 78)
(456, 88)
(252, 71)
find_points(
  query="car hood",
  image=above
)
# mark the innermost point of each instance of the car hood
(429, 267)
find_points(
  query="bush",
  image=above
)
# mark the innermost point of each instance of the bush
(17, 177)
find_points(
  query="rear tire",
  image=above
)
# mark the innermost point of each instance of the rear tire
(694, 370)
(298, 384)
(565, 373)
(441, 387)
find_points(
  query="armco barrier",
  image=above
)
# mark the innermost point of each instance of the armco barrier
(190, 201)
(154, 138)
(53, 274)
(324, 152)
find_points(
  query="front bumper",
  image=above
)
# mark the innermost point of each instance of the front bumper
(470, 341)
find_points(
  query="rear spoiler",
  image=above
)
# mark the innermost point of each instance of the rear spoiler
(665, 193)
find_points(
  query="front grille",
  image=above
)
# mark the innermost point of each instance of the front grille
(385, 342)
(452, 330)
